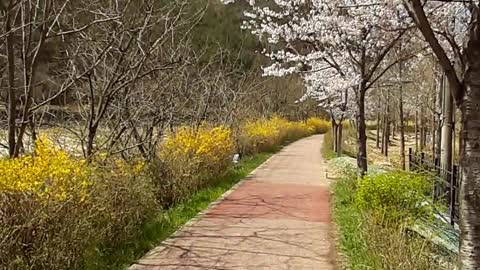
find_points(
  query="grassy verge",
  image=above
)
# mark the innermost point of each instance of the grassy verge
(348, 219)
(157, 230)
(370, 241)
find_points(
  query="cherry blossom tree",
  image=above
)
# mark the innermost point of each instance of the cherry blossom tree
(351, 38)
(332, 92)
(446, 25)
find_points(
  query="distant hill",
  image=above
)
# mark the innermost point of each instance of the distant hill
(220, 29)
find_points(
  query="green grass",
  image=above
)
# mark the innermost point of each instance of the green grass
(348, 220)
(365, 243)
(166, 223)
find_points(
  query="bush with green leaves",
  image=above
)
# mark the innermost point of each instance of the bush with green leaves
(394, 196)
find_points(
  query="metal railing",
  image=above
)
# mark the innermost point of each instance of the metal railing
(446, 183)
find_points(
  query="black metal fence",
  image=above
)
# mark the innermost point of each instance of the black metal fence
(446, 183)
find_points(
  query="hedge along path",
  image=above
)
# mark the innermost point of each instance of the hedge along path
(277, 218)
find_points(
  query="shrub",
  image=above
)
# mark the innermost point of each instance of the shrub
(292, 131)
(39, 235)
(60, 212)
(197, 155)
(318, 126)
(51, 219)
(123, 197)
(393, 196)
(47, 173)
(266, 135)
(261, 135)
(370, 244)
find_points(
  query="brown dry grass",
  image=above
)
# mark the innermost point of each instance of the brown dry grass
(375, 155)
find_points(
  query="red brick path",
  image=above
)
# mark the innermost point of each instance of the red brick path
(279, 218)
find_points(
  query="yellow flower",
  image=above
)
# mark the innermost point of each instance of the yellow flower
(48, 173)
(210, 146)
(267, 134)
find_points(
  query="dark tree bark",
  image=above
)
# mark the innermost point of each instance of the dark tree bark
(339, 138)
(378, 122)
(433, 121)
(386, 130)
(337, 128)
(401, 123)
(91, 134)
(470, 159)
(416, 131)
(334, 135)
(387, 137)
(422, 129)
(361, 132)
(12, 97)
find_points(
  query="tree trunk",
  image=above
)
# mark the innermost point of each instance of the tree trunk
(12, 99)
(92, 132)
(339, 138)
(378, 122)
(425, 130)
(401, 123)
(361, 133)
(334, 135)
(422, 129)
(470, 161)
(446, 149)
(140, 142)
(439, 103)
(454, 137)
(394, 129)
(384, 130)
(33, 131)
(433, 127)
(467, 95)
(416, 131)
(386, 136)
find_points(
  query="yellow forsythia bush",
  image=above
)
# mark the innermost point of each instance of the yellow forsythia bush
(57, 211)
(261, 135)
(48, 173)
(318, 125)
(199, 154)
(292, 131)
(267, 134)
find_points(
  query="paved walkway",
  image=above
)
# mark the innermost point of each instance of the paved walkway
(277, 219)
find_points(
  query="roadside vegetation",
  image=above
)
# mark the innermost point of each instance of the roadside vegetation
(119, 120)
(397, 63)
(166, 222)
(64, 212)
(374, 216)
(112, 111)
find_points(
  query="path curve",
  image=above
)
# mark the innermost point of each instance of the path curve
(278, 218)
